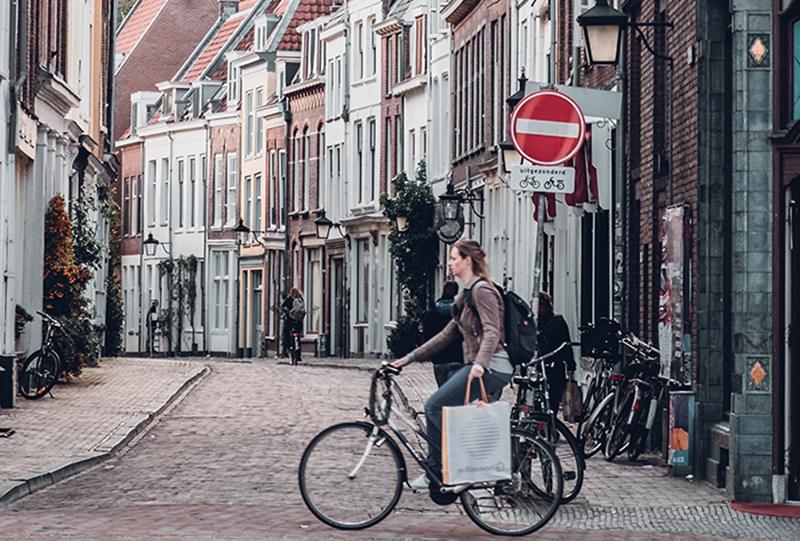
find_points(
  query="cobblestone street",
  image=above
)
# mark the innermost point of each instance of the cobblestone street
(221, 462)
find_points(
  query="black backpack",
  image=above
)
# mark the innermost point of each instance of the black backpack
(519, 325)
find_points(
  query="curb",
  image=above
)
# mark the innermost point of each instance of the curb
(15, 489)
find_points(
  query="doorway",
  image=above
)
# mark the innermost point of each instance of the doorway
(337, 308)
(792, 425)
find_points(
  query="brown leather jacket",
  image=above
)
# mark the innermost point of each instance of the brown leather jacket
(483, 336)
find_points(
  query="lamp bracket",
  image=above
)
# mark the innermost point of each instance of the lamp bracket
(664, 24)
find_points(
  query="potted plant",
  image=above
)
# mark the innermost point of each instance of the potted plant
(21, 318)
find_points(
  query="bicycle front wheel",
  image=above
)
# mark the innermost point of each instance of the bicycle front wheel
(39, 374)
(351, 475)
(566, 447)
(617, 439)
(593, 435)
(531, 499)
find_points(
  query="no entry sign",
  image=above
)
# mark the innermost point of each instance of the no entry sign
(547, 127)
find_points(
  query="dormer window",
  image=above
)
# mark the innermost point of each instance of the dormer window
(261, 34)
(233, 83)
(168, 101)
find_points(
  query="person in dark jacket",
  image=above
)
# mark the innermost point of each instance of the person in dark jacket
(451, 359)
(553, 331)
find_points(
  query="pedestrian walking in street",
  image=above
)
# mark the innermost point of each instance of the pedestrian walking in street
(152, 322)
(554, 331)
(482, 333)
(451, 359)
(294, 311)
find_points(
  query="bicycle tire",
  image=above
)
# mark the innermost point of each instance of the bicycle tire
(620, 430)
(566, 448)
(593, 434)
(521, 508)
(38, 374)
(342, 501)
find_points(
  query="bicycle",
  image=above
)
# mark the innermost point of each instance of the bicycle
(643, 392)
(532, 412)
(352, 474)
(294, 348)
(39, 371)
(602, 341)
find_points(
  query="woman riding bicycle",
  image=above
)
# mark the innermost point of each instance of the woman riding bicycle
(293, 310)
(483, 337)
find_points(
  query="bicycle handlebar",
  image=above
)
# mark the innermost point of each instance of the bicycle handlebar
(50, 319)
(387, 369)
(548, 356)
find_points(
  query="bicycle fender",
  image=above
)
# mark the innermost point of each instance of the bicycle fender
(390, 441)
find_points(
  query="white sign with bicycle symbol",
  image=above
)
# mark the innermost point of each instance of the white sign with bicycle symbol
(539, 178)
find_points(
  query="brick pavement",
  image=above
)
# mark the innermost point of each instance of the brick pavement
(86, 420)
(222, 464)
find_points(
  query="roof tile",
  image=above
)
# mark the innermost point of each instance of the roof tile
(137, 23)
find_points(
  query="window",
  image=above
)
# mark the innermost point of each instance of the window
(204, 187)
(320, 166)
(373, 55)
(152, 171)
(257, 203)
(281, 184)
(296, 172)
(306, 169)
(218, 190)
(248, 204)
(398, 133)
(126, 206)
(312, 49)
(164, 191)
(362, 280)
(272, 202)
(181, 193)
(389, 72)
(231, 199)
(233, 83)
(249, 124)
(192, 190)
(338, 86)
(360, 162)
(371, 164)
(419, 39)
(314, 288)
(220, 291)
(329, 97)
(259, 122)
(134, 205)
(359, 67)
(412, 146)
(390, 164)
(795, 69)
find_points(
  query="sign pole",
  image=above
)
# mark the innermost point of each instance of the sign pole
(538, 262)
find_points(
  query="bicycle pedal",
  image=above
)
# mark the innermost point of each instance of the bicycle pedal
(569, 475)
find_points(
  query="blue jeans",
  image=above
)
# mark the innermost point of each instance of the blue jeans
(452, 394)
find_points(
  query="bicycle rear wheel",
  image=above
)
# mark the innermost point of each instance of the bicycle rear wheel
(39, 374)
(532, 498)
(350, 480)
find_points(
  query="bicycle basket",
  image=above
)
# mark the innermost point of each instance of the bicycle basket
(604, 337)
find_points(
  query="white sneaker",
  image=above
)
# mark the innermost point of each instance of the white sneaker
(420, 484)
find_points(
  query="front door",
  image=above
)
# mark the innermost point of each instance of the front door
(793, 353)
(337, 307)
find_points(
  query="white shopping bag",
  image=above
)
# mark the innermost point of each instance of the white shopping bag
(476, 442)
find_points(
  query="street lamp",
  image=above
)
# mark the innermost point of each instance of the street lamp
(401, 222)
(151, 245)
(324, 224)
(243, 232)
(511, 156)
(602, 31)
(603, 26)
(450, 202)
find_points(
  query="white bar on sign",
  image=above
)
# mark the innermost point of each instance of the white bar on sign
(548, 127)
(543, 179)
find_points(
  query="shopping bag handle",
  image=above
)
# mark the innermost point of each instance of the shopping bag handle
(483, 391)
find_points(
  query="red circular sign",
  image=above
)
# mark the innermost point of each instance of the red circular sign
(547, 127)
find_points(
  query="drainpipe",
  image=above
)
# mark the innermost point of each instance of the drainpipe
(170, 240)
(206, 258)
(553, 45)
(112, 40)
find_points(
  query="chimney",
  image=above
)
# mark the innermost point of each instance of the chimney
(228, 8)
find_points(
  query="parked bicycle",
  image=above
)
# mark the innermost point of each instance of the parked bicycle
(601, 341)
(639, 402)
(532, 412)
(39, 371)
(352, 474)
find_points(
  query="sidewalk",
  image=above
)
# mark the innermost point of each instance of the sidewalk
(87, 420)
